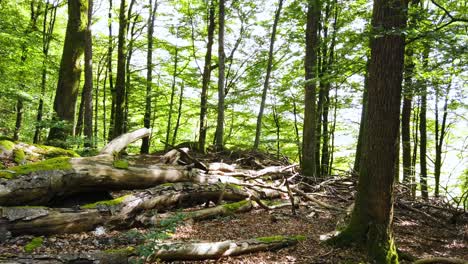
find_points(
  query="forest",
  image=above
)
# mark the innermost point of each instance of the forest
(234, 131)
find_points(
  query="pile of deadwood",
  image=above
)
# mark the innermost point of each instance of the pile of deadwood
(177, 180)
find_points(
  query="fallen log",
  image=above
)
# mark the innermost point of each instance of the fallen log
(213, 250)
(118, 256)
(124, 211)
(39, 183)
(122, 141)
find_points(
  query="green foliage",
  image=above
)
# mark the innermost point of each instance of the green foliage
(155, 236)
(61, 163)
(33, 244)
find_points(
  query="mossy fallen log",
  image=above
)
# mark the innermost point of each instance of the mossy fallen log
(119, 256)
(124, 211)
(39, 183)
(213, 250)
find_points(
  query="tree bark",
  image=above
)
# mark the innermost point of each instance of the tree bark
(266, 84)
(360, 143)
(125, 211)
(439, 138)
(221, 78)
(423, 131)
(214, 250)
(145, 144)
(69, 73)
(171, 102)
(371, 220)
(110, 48)
(206, 79)
(47, 32)
(312, 45)
(120, 81)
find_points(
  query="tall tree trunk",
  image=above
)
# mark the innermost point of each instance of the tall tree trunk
(110, 48)
(47, 31)
(325, 159)
(296, 130)
(120, 80)
(312, 45)
(439, 138)
(206, 78)
(415, 149)
(131, 29)
(408, 92)
(360, 143)
(332, 131)
(221, 78)
(69, 73)
(145, 145)
(266, 84)
(34, 14)
(179, 114)
(171, 103)
(88, 86)
(423, 131)
(371, 220)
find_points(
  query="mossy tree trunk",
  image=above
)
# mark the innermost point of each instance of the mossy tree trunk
(70, 72)
(371, 220)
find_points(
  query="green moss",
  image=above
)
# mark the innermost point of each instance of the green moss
(167, 184)
(232, 207)
(52, 152)
(61, 163)
(120, 164)
(273, 239)
(7, 145)
(234, 186)
(115, 201)
(19, 156)
(35, 243)
(125, 251)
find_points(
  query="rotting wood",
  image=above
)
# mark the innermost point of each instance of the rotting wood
(120, 212)
(213, 250)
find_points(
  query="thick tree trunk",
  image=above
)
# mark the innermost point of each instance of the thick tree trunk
(69, 73)
(120, 81)
(312, 45)
(221, 77)
(360, 143)
(145, 145)
(371, 220)
(214, 250)
(266, 84)
(206, 79)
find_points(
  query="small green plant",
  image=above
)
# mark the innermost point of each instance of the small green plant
(156, 235)
(35, 243)
(19, 156)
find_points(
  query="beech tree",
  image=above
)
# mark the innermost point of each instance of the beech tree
(312, 45)
(372, 216)
(69, 73)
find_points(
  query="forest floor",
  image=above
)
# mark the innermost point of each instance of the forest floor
(421, 229)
